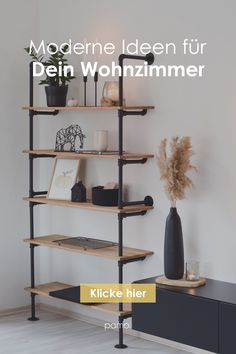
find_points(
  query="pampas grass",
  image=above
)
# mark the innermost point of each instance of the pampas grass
(173, 168)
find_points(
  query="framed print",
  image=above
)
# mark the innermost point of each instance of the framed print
(64, 175)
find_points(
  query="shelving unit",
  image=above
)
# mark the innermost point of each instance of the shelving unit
(119, 253)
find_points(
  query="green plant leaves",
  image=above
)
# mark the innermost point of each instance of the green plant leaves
(56, 59)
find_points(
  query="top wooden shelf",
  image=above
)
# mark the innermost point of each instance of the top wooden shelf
(85, 155)
(85, 108)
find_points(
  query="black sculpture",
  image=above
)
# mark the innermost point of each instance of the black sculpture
(69, 135)
(78, 192)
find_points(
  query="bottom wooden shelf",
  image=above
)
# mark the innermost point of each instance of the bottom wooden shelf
(45, 289)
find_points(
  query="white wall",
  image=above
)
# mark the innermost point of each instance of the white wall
(18, 22)
(202, 108)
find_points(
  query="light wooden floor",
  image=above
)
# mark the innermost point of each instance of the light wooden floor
(56, 334)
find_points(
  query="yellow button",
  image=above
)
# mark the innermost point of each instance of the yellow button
(95, 293)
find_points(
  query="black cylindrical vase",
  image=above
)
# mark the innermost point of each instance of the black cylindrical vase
(173, 247)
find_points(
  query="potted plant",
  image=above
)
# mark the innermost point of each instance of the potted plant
(173, 169)
(57, 86)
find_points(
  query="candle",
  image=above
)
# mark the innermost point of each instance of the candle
(111, 91)
(191, 276)
(192, 270)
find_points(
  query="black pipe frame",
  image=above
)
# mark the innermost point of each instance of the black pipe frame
(121, 162)
(31, 191)
(32, 113)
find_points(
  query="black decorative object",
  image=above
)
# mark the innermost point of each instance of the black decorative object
(69, 135)
(86, 242)
(173, 247)
(71, 294)
(85, 78)
(104, 197)
(68, 294)
(56, 95)
(95, 88)
(78, 192)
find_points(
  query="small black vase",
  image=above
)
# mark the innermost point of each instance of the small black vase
(56, 95)
(173, 247)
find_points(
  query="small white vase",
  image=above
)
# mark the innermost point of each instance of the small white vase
(100, 140)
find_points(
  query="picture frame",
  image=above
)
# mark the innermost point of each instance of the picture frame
(64, 175)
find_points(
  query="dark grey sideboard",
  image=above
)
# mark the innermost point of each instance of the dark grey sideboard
(204, 317)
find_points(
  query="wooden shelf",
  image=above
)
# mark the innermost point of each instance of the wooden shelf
(45, 289)
(88, 205)
(84, 108)
(125, 156)
(106, 252)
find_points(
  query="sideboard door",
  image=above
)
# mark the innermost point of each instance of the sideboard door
(227, 328)
(181, 318)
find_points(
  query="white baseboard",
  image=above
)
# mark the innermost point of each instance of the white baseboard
(99, 322)
(16, 310)
(71, 314)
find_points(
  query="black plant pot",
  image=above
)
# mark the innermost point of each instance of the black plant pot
(173, 247)
(56, 95)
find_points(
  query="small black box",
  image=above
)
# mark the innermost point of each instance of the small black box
(104, 197)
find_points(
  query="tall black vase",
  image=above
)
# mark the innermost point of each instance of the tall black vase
(173, 247)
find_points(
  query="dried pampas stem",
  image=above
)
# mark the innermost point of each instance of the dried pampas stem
(173, 169)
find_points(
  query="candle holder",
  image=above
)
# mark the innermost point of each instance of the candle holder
(192, 270)
(85, 78)
(95, 88)
(110, 94)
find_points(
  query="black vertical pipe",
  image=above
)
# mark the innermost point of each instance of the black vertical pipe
(121, 344)
(31, 189)
(121, 81)
(120, 229)
(31, 129)
(120, 129)
(31, 85)
(120, 179)
(120, 264)
(96, 88)
(32, 246)
(33, 317)
(121, 332)
(120, 195)
(120, 111)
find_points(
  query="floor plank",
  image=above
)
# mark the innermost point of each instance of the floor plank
(57, 334)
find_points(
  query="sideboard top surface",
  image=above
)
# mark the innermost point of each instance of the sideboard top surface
(213, 290)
